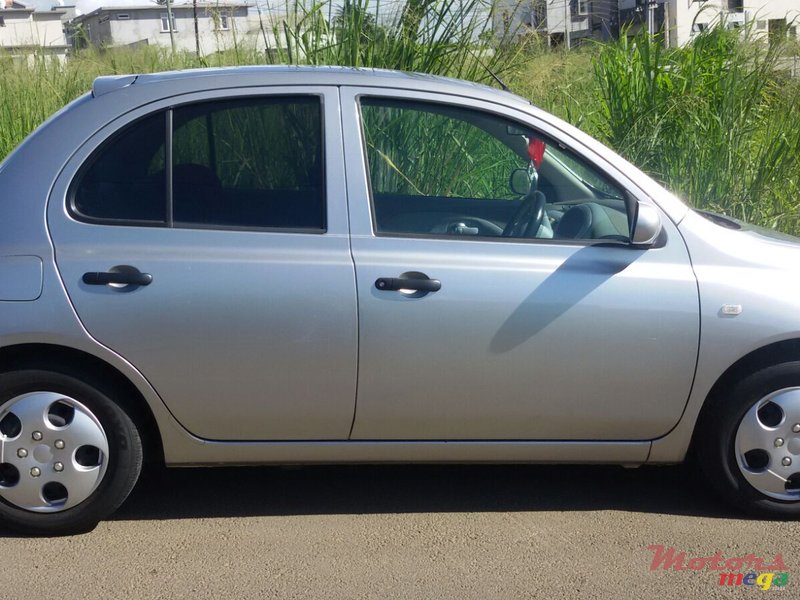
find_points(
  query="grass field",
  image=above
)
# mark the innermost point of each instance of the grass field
(718, 121)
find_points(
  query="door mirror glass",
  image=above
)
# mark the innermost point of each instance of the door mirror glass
(520, 182)
(646, 226)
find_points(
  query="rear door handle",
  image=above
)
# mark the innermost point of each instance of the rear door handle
(117, 277)
(393, 284)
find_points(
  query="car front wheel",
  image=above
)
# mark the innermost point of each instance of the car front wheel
(70, 455)
(748, 442)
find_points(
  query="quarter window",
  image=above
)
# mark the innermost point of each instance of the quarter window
(126, 181)
(440, 170)
(240, 163)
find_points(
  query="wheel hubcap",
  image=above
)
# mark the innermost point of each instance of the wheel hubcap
(53, 452)
(768, 445)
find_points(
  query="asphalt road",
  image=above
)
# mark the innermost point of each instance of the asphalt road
(483, 532)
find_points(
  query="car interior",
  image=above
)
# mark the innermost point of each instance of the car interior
(549, 195)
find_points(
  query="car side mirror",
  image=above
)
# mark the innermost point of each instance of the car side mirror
(646, 225)
(520, 182)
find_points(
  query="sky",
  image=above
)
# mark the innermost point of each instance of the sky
(87, 6)
(84, 5)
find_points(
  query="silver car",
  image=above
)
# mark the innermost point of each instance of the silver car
(276, 265)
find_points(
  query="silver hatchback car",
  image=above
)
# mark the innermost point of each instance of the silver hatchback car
(275, 265)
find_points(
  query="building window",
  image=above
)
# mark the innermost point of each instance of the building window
(583, 7)
(736, 5)
(220, 20)
(165, 22)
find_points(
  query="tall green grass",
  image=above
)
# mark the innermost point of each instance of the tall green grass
(717, 121)
(31, 90)
(445, 37)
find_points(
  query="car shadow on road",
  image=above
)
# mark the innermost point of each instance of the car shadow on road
(317, 490)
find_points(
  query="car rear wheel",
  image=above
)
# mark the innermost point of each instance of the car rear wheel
(748, 442)
(70, 455)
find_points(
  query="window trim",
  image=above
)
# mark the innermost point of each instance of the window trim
(97, 151)
(631, 198)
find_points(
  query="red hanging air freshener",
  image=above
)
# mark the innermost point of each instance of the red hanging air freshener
(536, 148)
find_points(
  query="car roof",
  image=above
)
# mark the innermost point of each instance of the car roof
(306, 75)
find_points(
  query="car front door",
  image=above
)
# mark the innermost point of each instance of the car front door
(499, 330)
(205, 240)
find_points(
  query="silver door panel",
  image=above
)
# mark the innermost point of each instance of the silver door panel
(525, 340)
(245, 335)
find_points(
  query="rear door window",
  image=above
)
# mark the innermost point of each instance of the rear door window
(239, 163)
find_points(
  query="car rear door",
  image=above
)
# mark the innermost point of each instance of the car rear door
(525, 339)
(247, 328)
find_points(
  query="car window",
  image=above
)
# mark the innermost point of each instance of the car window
(239, 163)
(437, 169)
(249, 162)
(419, 152)
(126, 180)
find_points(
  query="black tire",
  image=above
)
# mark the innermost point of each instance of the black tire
(715, 438)
(123, 466)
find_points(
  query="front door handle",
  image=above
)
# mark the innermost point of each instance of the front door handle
(117, 277)
(394, 284)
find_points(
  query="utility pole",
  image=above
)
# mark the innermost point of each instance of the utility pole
(566, 24)
(196, 29)
(169, 25)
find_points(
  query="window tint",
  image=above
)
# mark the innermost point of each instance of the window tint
(442, 170)
(251, 163)
(126, 181)
(255, 162)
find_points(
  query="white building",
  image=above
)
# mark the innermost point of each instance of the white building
(580, 19)
(555, 19)
(24, 30)
(219, 26)
(776, 17)
(679, 20)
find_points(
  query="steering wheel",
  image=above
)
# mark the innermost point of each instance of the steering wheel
(528, 218)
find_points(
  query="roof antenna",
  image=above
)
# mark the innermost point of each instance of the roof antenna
(504, 87)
